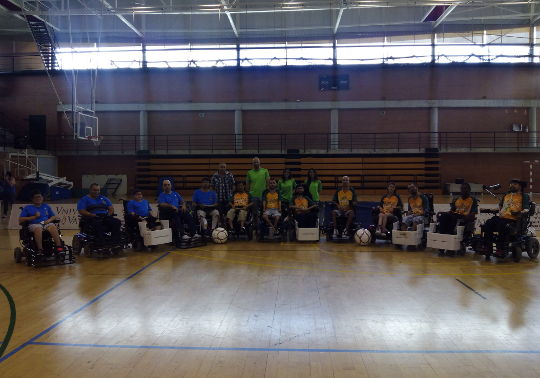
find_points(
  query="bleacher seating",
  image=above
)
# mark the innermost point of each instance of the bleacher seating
(369, 173)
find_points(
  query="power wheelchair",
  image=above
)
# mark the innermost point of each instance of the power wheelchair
(386, 236)
(414, 238)
(88, 242)
(28, 251)
(180, 238)
(263, 230)
(139, 231)
(515, 239)
(344, 235)
(455, 243)
(236, 232)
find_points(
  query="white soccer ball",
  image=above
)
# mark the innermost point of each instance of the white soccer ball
(362, 236)
(220, 235)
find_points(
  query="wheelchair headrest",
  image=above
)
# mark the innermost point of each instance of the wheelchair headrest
(532, 208)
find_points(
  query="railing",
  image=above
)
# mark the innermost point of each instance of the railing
(302, 143)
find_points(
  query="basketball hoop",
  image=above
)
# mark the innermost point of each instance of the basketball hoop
(95, 139)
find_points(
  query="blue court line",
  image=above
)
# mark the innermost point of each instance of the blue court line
(311, 350)
(33, 339)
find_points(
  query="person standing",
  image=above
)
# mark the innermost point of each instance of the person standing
(223, 183)
(257, 182)
(8, 197)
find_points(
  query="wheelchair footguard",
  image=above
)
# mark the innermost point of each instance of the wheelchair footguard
(157, 237)
(408, 238)
(446, 242)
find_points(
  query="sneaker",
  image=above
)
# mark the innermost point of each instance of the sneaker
(185, 238)
(345, 234)
(196, 237)
(336, 233)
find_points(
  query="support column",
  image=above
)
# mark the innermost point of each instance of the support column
(533, 142)
(433, 42)
(334, 129)
(434, 128)
(143, 130)
(238, 129)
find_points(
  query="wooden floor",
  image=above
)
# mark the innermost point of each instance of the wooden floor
(249, 309)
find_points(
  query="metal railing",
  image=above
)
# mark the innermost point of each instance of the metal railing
(301, 143)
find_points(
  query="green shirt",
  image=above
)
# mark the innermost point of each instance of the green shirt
(315, 189)
(256, 179)
(286, 189)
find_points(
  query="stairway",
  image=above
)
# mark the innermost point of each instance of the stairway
(45, 41)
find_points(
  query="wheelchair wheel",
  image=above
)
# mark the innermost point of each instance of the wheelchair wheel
(533, 248)
(76, 245)
(18, 255)
(516, 253)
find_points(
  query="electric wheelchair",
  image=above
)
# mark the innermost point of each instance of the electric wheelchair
(414, 238)
(88, 241)
(236, 232)
(28, 251)
(178, 225)
(139, 230)
(343, 234)
(263, 230)
(386, 236)
(514, 240)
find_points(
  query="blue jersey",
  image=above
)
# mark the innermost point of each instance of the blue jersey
(45, 212)
(173, 198)
(201, 197)
(97, 205)
(141, 208)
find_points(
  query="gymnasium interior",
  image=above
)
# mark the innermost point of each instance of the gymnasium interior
(127, 94)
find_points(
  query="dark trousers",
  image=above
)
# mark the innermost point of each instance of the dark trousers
(306, 220)
(7, 200)
(448, 222)
(177, 220)
(102, 225)
(505, 227)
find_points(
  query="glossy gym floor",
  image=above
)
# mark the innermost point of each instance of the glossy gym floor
(247, 309)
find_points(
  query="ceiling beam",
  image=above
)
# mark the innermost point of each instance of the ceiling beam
(445, 14)
(15, 9)
(122, 18)
(229, 16)
(338, 19)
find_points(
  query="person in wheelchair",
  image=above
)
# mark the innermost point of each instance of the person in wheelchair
(463, 209)
(389, 206)
(98, 213)
(304, 210)
(240, 203)
(511, 208)
(39, 218)
(172, 207)
(205, 200)
(345, 200)
(271, 207)
(138, 210)
(418, 209)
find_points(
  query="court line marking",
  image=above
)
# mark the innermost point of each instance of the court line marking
(470, 288)
(92, 301)
(340, 271)
(309, 350)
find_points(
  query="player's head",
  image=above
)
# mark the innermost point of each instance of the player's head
(137, 194)
(37, 198)
(94, 190)
(167, 186)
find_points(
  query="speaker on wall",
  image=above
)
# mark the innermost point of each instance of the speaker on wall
(37, 132)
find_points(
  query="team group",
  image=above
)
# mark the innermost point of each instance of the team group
(264, 197)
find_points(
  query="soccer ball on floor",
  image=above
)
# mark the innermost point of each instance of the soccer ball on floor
(362, 236)
(220, 235)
